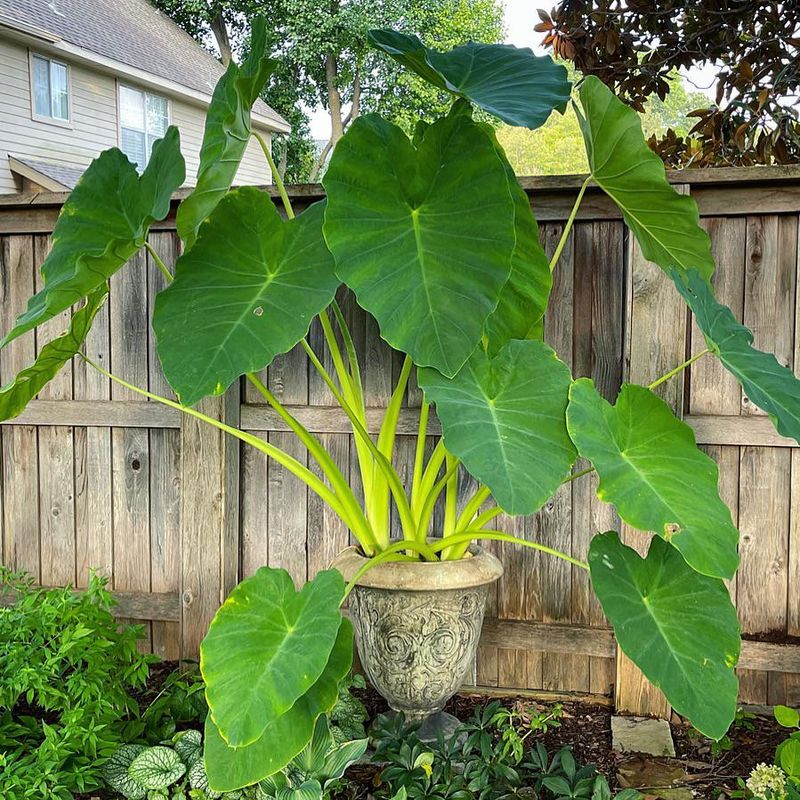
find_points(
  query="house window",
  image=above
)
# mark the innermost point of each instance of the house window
(143, 118)
(50, 89)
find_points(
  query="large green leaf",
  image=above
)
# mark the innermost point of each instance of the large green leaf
(15, 395)
(679, 627)
(230, 768)
(665, 223)
(651, 470)
(509, 82)
(523, 300)
(771, 386)
(227, 133)
(102, 224)
(504, 417)
(422, 235)
(265, 648)
(238, 301)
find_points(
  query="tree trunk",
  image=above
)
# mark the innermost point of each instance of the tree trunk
(220, 31)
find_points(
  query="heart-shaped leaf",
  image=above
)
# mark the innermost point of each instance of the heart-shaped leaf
(15, 395)
(509, 82)
(189, 746)
(665, 223)
(679, 627)
(115, 772)
(504, 417)
(523, 300)
(157, 768)
(265, 648)
(771, 386)
(651, 470)
(789, 758)
(230, 768)
(102, 224)
(227, 133)
(237, 302)
(787, 717)
(423, 236)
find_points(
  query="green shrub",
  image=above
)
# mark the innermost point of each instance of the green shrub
(66, 678)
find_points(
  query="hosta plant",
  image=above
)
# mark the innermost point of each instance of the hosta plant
(437, 241)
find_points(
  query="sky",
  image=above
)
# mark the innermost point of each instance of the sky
(520, 17)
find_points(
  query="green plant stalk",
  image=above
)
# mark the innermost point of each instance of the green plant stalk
(473, 506)
(678, 369)
(378, 510)
(276, 176)
(579, 474)
(479, 521)
(430, 501)
(499, 536)
(451, 495)
(158, 262)
(352, 392)
(327, 464)
(284, 459)
(395, 484)
(419, 457)
(428, 481)
(394, 552)
(568, 227)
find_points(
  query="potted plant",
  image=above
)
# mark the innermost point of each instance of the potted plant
(437, 241)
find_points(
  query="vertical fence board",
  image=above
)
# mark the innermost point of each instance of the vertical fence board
(161, 509)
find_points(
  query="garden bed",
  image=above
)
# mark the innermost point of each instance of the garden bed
(699, 768)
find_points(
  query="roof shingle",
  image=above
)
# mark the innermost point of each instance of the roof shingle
(130, 31)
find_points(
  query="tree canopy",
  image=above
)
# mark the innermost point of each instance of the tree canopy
(634, 47)
(327, 61)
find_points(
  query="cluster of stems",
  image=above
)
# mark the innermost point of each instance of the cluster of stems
(433, 475)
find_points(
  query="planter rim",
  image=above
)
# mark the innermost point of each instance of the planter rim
(421, 576)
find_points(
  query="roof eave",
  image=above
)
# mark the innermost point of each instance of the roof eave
(49, 41)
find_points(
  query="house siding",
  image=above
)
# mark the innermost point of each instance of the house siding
(93, 125)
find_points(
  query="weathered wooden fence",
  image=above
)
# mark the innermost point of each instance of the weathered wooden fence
(175, 513)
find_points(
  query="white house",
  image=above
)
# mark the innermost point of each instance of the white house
(80, 76)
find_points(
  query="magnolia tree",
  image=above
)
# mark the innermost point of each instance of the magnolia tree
(437, 241)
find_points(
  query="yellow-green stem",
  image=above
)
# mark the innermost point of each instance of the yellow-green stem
(158, 262)
(472, 507)
(678, 369)
(498, 536)
(419, 457)
(430, 501)
(276, 175)
(568, 227)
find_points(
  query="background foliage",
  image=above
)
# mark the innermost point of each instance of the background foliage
(634, 47)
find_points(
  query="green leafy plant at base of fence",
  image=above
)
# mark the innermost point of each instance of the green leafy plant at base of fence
(67, 674)
(437, 241)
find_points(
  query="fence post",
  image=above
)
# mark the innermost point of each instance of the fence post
(656, 342)
(209, 516)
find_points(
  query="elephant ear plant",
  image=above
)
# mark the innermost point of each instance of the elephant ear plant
(437, 241)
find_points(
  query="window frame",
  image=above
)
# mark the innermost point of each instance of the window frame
(144, 92)
(35, 115)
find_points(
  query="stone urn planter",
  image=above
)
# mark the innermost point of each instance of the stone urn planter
(417, 625)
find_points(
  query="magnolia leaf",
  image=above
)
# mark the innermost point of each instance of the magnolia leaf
(651, 470)
(523, 300)
(115, 772)
(679, 627)
(509, 82)
(227, 133)
(102, 224)
(665, 223)
(15, 395)
(504, 417)
(768, 384)
(157, 768)
(265, 648)
(230, 768)
(422, 235)
(238, 301)
(189, 746)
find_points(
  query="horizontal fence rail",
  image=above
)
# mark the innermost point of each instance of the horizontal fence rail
(174, 513)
